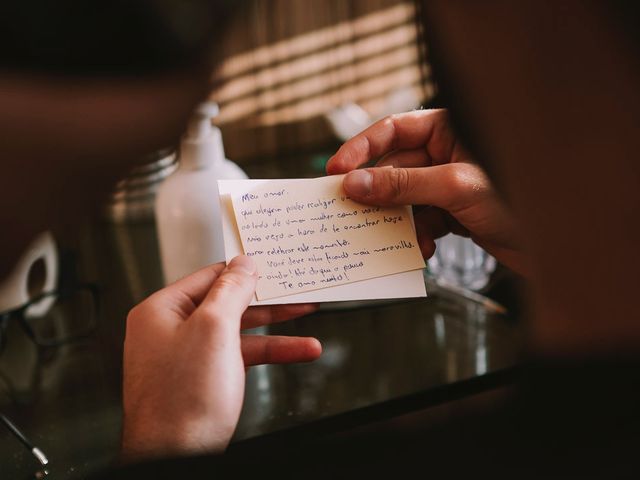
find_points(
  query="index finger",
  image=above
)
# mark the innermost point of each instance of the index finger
(183, 296)
(428, 129)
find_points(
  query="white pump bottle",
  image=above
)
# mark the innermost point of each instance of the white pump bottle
(187, 206)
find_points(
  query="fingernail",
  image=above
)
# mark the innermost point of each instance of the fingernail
(244, 263)
(358, 183)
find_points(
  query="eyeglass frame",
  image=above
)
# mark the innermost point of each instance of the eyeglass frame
(19, 313)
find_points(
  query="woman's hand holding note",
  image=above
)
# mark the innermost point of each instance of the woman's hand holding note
(430, 168)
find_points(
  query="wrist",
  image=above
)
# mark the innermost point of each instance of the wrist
(146, 439)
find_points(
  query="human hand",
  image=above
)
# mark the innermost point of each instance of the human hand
(430, 168)
(185, 360)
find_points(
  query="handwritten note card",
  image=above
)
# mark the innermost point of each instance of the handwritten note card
(307, 235)
(399, 285)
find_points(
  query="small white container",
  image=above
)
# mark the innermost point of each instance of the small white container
(187, 206)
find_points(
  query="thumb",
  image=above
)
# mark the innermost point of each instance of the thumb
(452, 187)
(230, 295)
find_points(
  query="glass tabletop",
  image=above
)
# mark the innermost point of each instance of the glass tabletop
(379, 359)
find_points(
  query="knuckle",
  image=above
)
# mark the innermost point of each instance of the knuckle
(393, 118)
(225, 299)
(456, 177)
(468, 177)
(399, 182)
(390, 124)
(137, 312)
(466, 185)
(230, 281)
(135, 324)
(348, 155)
(389, 119)
(211, 314)
(148, 306)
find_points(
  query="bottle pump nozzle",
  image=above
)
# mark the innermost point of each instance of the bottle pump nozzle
(202, 142)
(199, 125)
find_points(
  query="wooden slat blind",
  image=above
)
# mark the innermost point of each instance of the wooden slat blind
(287, 62)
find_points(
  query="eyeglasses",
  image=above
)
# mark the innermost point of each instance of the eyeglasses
(52, 319)
(55, 318)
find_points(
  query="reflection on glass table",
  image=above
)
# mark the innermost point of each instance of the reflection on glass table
(458, 261)
(378, 361)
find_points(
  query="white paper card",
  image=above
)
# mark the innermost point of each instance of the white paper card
(398, 285)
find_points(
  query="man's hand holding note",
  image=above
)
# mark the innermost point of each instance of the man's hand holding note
(305, 236)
